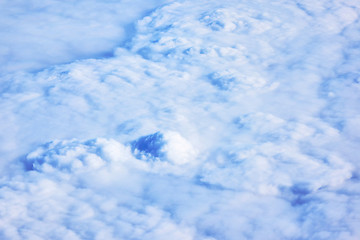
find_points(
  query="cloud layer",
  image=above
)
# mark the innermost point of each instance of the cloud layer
(231, 120)
(37, 34)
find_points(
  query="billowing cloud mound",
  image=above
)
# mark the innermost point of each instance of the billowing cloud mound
(217, 120)
(86, 190)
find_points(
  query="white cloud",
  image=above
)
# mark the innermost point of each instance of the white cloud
(37, 34)
(231, 120)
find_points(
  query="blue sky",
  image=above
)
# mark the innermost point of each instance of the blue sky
(179, 119)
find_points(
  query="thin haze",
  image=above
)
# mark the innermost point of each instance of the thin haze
(39, 33)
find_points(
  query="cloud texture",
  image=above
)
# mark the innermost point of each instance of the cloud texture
(37, 34)
(216, 120)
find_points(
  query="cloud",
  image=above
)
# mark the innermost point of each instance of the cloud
(37, 34)
(231, 120)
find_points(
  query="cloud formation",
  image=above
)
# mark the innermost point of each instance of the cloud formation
(37, 34)
(231, 120)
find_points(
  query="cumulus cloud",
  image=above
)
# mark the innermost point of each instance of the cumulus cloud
(231, 120)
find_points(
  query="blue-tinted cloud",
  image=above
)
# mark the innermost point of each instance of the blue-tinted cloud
(37, 34)
(231, 120)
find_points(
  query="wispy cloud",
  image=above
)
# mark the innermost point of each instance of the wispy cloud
(37, 34)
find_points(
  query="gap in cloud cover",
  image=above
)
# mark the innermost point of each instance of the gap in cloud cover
(37, 34)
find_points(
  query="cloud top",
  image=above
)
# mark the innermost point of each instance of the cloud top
(231, 120)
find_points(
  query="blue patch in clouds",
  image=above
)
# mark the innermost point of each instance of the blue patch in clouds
(149, 147)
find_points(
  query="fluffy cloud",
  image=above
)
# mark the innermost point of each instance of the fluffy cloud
(37, 34)
(231, 120)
